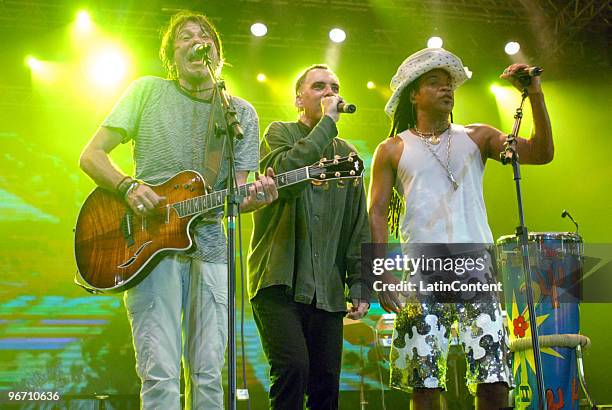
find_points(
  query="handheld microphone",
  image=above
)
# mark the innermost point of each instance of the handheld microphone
(346, 107)
(525, 75)
(530, 72)
(198, 52)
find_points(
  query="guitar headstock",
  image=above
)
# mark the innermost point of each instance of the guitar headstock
(350, 166)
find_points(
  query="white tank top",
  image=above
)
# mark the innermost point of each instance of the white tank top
(435, 211)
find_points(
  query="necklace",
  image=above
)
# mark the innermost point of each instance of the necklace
(427, 142)
(195, 90)
(431, 137)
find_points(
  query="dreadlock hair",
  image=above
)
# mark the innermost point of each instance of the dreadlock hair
(396, 209)
(404, 118)
(405, 113)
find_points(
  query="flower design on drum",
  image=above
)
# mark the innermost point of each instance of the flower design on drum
(523, 361)
(520, 326)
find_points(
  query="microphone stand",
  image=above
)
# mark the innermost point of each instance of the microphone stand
(233, 200)
(509, 155)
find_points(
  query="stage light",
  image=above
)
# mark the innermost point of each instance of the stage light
(504, 94)
(512, 48)
(83, 21)
(34, 63)
(337, 35)
(42, 72)
(259, 29)
(261, 77)
(108, 68)
(435, 42)
(83, 32)
(371, 85)
(507, 99)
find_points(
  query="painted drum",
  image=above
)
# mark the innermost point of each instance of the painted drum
(556, 269)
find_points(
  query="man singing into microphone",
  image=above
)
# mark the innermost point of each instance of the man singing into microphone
(180, 309)
(305, 256)
(436, 168)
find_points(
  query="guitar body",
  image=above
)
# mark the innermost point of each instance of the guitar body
(114, 246)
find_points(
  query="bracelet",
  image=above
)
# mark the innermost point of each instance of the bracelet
(132, 187)
(123, 185)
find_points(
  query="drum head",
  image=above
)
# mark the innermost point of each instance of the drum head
(542, 236)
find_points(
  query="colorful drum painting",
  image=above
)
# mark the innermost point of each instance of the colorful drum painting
(556, 263)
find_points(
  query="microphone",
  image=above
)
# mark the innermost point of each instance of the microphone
(346, 107)
(525, 75)
(566, 213)
(530, 72)
(198, 52)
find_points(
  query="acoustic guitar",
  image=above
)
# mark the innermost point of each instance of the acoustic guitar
(116, 248)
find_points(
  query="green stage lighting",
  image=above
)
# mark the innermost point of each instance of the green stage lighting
(512, 48)
(337, 35)
(435, 42)
(83, 21)
(259, 29)
(34, 63)
(108, 68)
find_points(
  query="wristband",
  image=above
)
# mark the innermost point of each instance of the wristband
(123, 185)
(132, 187)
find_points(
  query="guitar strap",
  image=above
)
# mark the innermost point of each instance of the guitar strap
(215, 142)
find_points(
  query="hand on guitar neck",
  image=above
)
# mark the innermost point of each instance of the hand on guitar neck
(142, 199)
(262, 192)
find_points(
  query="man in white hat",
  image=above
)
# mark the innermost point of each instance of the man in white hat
(435, 168)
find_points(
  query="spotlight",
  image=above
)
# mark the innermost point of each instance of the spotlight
(34, 63)
(259, 29)
(337, 35)
(371, 85)
(108, 68)
(261, 77)
(512, 48)
(495, 88)
(42, 72)
(435, 42)
(83, 20)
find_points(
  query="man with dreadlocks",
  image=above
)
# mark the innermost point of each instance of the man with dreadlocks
(435, 168)
(180, 309)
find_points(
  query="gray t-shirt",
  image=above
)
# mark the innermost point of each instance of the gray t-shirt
(168, 130)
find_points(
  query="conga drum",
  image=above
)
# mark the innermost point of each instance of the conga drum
(556, 269)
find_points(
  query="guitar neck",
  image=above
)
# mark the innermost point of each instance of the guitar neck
(208, 202)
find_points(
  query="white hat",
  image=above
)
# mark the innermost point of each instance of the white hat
(421, 62)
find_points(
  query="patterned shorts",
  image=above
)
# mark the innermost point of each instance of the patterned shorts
(421, 343)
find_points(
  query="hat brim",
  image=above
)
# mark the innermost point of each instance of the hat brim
(420, 63)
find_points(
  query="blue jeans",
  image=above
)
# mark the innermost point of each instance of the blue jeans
(180, 311)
